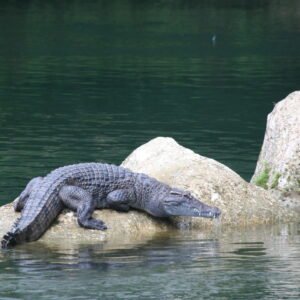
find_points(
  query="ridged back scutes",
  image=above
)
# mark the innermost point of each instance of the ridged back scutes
(85, 175)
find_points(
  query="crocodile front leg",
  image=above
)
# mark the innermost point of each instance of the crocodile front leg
(32, 185)
(81, 201)
(119, 200)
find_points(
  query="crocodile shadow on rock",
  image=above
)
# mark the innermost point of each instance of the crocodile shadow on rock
(88, 186)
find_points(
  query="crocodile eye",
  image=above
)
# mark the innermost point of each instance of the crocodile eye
(176, 193)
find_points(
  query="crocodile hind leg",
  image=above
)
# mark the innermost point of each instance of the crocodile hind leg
(32, 185)
(81, 201)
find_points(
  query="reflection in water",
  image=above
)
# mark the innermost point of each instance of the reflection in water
(166, 250)
(259, 263)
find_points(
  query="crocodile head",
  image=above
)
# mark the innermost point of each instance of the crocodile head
(182, 203)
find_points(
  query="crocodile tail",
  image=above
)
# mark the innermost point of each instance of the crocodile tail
(8, 240)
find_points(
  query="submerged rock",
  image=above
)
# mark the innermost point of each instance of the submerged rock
(278, 166)
(208, 180)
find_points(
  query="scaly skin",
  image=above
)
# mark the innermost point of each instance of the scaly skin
(84, 187)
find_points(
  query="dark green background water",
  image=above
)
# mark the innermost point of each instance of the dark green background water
(92, 80)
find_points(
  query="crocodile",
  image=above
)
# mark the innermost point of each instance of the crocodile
(85, 187)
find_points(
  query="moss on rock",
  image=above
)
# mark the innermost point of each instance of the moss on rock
(262, 178)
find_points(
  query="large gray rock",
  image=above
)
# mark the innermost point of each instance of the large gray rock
(210, 181)
(278, 166)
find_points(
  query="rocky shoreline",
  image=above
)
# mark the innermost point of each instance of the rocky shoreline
(272, 196)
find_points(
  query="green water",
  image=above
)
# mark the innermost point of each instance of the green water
(92, 80)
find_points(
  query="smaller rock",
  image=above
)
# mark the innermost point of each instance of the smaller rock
(126, 229)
